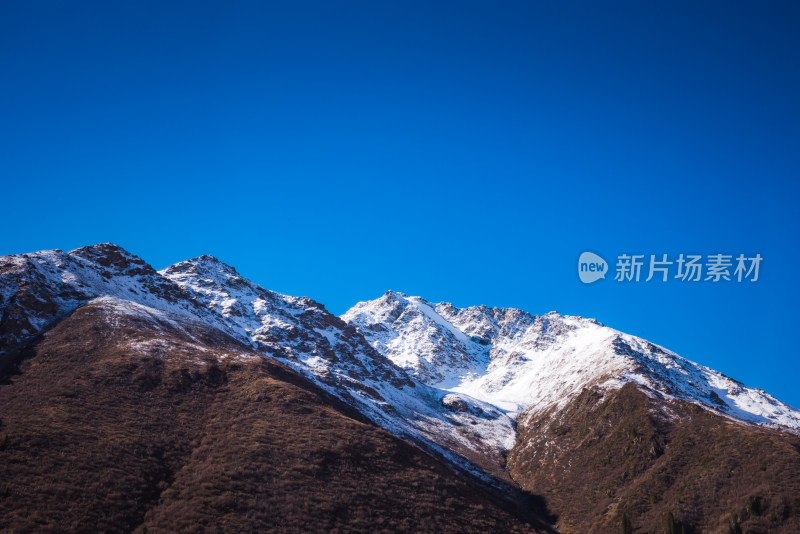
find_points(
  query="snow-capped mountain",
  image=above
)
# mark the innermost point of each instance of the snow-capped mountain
(301, 333)
(454, 379)
(127, 418)
(39, 289)
(523, 402)
(604, 421)
(521, 362)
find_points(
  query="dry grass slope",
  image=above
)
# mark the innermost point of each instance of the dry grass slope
(112, 423)
(613, 461)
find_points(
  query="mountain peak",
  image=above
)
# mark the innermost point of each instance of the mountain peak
(109, 255)
(517, 361)
(205, 265)
(106, 248)
(210, 260)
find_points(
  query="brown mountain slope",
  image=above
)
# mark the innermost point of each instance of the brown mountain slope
(626, 460)
(123, 418)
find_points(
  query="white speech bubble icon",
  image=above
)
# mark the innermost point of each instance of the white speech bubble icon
(591, 267)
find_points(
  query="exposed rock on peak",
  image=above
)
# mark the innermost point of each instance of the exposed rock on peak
(204, 264)
(520, 362)
(109, 255)
(38, 289)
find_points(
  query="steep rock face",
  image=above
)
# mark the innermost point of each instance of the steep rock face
(125, 417)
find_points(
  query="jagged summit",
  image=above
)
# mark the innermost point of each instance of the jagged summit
(521, 362)
(104, 249)
(205, 264)
(40, 288)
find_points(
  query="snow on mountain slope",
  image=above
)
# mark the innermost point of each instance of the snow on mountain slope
(518, 362)
(301, 333)
(453, 380)
(292, 328)
(37, 289)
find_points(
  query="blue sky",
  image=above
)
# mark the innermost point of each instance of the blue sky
(462, 151)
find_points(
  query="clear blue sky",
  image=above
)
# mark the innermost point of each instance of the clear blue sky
(462, 151)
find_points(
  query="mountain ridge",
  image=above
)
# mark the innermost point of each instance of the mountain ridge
(486, 390)
(128, 418)
(414, 331)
